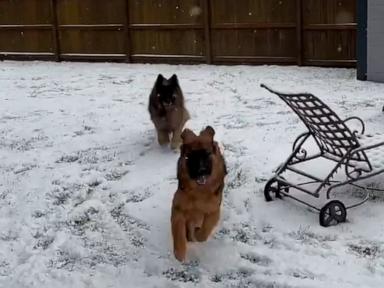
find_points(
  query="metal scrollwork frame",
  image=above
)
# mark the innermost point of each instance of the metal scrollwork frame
(336, 142)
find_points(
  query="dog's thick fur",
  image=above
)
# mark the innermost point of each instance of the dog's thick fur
(167, 110)
(196, 207)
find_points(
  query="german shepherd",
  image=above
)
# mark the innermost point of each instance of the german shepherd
(196, 204)
(167, 111)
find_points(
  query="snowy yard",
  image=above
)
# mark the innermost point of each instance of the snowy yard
(85, 191)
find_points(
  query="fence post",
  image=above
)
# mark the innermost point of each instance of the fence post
(207, 30)
(55, 30)
(299, 32)
(362, 14)
(127, 30)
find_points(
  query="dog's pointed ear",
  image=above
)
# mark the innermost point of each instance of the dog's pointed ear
(209, 131)
(159, 80)
(173, 80)
(187, 135)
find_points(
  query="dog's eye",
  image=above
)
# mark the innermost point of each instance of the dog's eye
(158, 95)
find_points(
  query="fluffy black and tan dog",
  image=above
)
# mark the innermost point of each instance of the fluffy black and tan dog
(196, 204)
(167, 110)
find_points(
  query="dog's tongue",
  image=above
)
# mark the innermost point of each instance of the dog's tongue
(201, 180)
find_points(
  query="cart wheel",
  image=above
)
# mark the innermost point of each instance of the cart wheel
(283, 186)
(332, 213)
(269, 188)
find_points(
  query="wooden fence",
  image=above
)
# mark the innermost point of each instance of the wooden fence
(303, 32)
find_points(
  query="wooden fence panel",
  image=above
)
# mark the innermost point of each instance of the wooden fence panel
(164, 43)
(169, 30)
(25, 28)
(25, 12)
(78, 42)
(253, 11)
(91, 29)
(258, 31)
(26, 41)
(165, 12)
(99, 12)
(303, 32)
(329, 32)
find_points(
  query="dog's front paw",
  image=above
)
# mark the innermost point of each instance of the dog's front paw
(180, 255)
(162, 137)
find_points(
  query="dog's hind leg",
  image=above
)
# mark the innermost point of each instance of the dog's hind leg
(210, 221)
(179, 234)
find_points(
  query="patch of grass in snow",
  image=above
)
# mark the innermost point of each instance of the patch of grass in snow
(89, 156)
(189, 273)
(236, 274)
(370, 250)
(243, 232)
(306, 235)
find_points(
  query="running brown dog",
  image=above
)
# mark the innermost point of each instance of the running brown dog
(196, 204)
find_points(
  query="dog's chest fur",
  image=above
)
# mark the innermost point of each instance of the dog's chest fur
(168, 120)
(200, 199)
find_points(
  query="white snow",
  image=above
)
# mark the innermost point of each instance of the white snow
(85, 191)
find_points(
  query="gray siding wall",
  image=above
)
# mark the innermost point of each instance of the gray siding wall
(375, 41)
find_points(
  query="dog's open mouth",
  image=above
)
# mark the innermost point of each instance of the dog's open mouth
(201, 180)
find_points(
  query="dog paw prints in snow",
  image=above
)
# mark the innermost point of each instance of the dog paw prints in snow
(130, 196)
(255, 258)
(5, 267)
(24, 168)
(308, 237)
(99, 239)
(85, 131)
(43, 241)
(233, 122)
(116, 174)
(302, 274)
(126, 221)
(62, 193)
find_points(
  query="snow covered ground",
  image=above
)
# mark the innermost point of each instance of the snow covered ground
(85, 191)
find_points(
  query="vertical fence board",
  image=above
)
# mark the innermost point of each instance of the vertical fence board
(127, 40)
(329, 32)
(207, 29)
(55, 32)
(299, 32)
